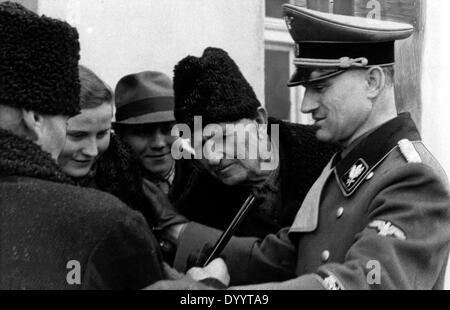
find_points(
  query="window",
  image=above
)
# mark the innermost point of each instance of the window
(281, 102)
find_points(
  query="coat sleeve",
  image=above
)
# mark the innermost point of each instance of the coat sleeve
(127, 258)
(246, 258)
(410, 249)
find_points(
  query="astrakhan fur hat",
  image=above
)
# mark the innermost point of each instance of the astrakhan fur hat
(38, 62)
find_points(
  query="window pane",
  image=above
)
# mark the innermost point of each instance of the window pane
(320, 5)
(393, 10)
(273, 8)
(276, 91)
(301, 3)
(344, 7)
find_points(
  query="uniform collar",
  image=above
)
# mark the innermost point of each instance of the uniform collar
(352, 170)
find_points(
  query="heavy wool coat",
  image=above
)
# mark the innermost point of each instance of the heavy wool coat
(302, 157)
(46, 224)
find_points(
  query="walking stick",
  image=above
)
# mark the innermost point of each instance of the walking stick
(227, 234)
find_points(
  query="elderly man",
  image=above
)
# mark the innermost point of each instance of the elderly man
(378, 216)
(228, 125)
(55, 235)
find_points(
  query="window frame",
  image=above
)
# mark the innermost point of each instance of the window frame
(277, 38)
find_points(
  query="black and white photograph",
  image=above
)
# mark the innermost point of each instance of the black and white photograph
(224, 146)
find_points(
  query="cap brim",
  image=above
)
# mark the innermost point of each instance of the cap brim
(151, 118)
(303, 76)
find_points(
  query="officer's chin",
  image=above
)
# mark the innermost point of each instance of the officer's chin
(324, 136)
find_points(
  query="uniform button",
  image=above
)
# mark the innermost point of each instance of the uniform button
(340, 212)
(325, 256)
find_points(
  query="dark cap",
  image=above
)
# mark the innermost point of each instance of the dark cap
(335, 43)
(213, 87)
(38, 62)
(144, 98)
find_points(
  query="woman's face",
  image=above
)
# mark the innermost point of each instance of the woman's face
(88, 136)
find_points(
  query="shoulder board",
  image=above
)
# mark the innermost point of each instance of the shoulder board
(409, 152)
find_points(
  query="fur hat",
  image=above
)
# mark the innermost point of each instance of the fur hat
(213, 87)
(38, 62)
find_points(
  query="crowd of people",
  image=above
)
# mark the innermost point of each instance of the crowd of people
(88, 173)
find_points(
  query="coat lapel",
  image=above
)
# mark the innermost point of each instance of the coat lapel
(308, 216)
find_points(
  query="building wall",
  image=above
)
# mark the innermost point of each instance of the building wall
(435, 83)
(120, 37)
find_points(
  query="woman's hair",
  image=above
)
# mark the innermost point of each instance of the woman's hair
(94, 92)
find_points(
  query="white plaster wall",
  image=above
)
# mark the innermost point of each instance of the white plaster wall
(436, 85)
(119, 37)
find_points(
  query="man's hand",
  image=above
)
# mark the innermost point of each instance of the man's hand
(217, 269)
(186, 283)
(213, 276)
(165, 214)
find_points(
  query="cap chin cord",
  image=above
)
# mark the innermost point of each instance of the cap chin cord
(342, 63)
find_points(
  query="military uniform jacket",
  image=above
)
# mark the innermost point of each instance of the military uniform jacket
(380, 220)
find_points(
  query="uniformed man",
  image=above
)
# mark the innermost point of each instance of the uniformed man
(378, 216)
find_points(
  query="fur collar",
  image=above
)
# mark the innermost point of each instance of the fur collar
(21, 157)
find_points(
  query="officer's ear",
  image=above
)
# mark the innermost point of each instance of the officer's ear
(376, 81)
(261, 116)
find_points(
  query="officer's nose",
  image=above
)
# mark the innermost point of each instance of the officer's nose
(90, 147)
(310, 102)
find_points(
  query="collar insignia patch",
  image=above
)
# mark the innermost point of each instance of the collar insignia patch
(354, 176)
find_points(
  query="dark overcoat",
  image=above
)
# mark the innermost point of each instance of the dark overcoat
(50, 228)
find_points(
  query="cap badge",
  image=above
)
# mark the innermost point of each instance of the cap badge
(289, 20)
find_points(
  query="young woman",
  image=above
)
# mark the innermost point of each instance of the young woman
(92, 155)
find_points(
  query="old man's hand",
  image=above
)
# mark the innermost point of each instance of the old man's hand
(217, 270)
